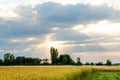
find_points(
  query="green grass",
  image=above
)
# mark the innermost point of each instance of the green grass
(104, 75)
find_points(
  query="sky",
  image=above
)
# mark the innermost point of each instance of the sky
(89, 29)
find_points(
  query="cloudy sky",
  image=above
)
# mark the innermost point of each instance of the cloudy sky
(89, 29)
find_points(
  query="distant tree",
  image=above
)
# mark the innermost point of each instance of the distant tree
(65, 59)
(54, 55)
(91, 63)
(1, 62)
(45, 61)
(28, 61)
(12, 59)
(20, 60)
(32, 61)
(36, 61)
(99, 63)
(7, 58)
(87, 63)
(78, 61)
(108, 62)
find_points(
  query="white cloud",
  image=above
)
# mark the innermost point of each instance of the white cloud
(79, 27)
(64, 2)
(7, 11)
(104, 27)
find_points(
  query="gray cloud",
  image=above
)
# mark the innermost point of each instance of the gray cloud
(68, 15)
(42, 18)
(38, 22)
(78, 42)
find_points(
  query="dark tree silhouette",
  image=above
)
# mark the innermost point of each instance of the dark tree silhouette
(32, 61)
(78, 61)
(91, 63)
(108, 62)
(99, 63)
(20, 60)
(45, 61)
(1, 62)
(9, 59)
(54, 55)
(87, 63)
(65, 59)
(12, 59)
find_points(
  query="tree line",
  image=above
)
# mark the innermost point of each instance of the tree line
(56, 59)
(65, 59)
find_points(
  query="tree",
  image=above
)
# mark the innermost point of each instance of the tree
(65, 60)
(36, 61)
(99, 63)
(1, 62)
(54, 55)
(78, 61)
(7, 58)
(12, 59)
(91, 63)
(45, 61)
(108, 62)
(87, 63)
(20, 60)
(28, 61)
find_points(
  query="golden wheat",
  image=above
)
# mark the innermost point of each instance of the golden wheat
(48, 72)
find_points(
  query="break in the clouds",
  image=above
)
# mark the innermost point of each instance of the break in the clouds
(79, 30)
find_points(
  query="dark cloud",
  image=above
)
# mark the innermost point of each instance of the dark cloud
(69, 15)
(71, 35)
(42, 18)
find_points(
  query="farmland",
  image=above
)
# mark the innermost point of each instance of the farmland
(104, 76)
(56, 72)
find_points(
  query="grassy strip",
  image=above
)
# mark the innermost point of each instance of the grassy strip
(106, 75)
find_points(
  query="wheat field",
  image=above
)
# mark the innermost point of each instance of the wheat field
(50, 72)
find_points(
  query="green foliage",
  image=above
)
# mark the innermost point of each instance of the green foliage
(45, 61)
(20, 60)
(108, 62)
(99, 63)
(65, 59)
(30, 61)
(54, 55)
(78, 61)
(92, 63)
(9, 59)
(87, 63)
(12, 59)
(1, 62)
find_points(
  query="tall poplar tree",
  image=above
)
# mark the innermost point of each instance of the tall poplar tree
(54, 55)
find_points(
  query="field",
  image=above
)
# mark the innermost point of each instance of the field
(58, 72)
(104, 76)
